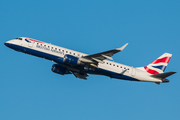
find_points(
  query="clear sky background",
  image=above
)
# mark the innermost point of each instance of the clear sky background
(30, 91)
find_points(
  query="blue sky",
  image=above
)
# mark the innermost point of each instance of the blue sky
(29, 90)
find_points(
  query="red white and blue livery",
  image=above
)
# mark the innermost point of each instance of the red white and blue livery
(81, 65)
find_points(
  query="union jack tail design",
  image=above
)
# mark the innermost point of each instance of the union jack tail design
(159, 65)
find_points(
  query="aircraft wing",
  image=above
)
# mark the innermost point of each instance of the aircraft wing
(99, 57)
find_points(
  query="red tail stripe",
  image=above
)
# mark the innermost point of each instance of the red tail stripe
(151, 71)
(163, 60)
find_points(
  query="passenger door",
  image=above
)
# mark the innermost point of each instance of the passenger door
(133, 72)
(30, 44)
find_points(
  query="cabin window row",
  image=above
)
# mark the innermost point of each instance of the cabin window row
(117, 66)
(60, 50)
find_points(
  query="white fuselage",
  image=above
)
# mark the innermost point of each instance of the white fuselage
(56, 54)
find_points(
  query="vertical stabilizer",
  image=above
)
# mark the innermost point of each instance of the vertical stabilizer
(159, 65)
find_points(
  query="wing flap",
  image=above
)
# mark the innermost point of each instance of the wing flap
(81, 76)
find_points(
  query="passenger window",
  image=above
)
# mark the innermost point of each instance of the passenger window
(74, 53)
(66, 51)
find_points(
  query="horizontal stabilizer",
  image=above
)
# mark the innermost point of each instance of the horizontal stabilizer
(163, 75)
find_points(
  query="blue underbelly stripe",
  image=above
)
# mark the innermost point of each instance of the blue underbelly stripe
(59, 60)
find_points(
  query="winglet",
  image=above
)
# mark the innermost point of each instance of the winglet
(121, 48)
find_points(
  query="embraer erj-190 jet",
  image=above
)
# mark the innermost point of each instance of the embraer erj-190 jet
(81, 65)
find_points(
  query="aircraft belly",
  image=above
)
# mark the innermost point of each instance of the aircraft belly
(113, 74)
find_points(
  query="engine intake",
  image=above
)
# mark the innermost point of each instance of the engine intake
(56, 68)
(72, 60)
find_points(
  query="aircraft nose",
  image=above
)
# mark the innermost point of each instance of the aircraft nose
(8, 43)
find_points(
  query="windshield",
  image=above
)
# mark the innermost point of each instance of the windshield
(19, 38)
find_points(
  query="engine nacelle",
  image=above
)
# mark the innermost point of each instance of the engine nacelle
(59, 69)
(72, 60)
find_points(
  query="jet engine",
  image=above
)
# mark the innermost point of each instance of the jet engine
(72, 60)
(56, 68)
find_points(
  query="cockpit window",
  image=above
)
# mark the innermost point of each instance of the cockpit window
(19, 38)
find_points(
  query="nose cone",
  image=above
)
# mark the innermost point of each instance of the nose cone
(7, 43)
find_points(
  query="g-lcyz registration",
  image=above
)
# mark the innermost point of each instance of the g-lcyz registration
(81, 65)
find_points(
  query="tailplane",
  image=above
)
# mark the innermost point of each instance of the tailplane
(163, 76)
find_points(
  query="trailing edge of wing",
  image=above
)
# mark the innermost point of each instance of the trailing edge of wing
(81, 76)
(107, 57)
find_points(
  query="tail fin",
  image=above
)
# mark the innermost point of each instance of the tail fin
(159, 65)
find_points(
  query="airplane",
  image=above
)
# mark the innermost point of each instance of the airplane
(81, 65)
